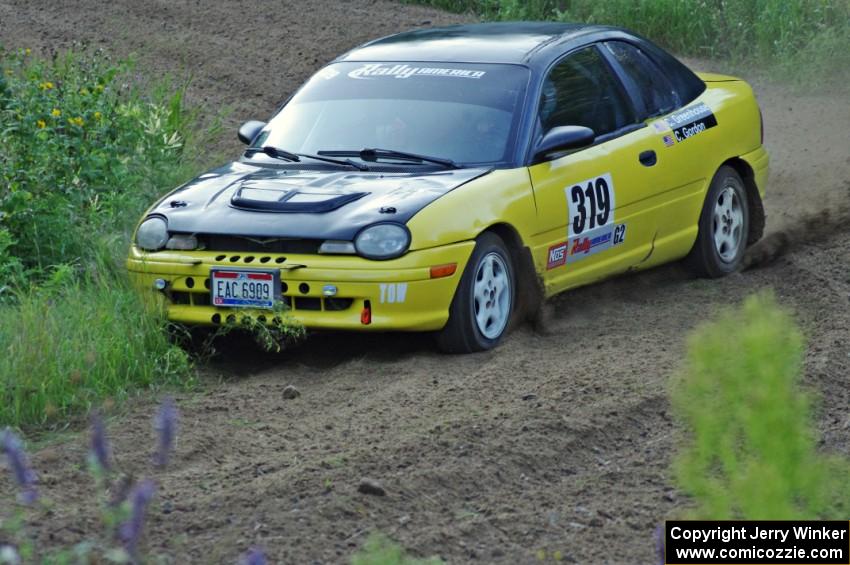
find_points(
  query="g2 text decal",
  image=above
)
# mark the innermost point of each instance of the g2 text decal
(691, 121)
(372, 70)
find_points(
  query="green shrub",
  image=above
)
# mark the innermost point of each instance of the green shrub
(82, 153)
(751, 451)
(801, 39)
(380, 550)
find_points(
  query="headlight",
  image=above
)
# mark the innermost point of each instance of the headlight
(382, 241)
(152, 235)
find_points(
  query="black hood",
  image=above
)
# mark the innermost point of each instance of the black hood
(244, 200)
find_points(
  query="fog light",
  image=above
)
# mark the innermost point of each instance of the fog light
(160, 284)
(329, 290)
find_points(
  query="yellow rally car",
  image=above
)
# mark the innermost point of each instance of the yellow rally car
(446, 179)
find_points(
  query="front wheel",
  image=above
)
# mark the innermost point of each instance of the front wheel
(723, 226)
(484, 300)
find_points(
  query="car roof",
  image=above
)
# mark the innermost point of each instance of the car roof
(499, 42)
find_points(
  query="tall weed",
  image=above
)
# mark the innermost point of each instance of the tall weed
(752, 449)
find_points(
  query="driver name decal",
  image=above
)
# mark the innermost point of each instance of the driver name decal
(373, 70)
(590, 217)
(691, 121)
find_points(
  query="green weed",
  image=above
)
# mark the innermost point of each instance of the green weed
(380, 550)
(751, 452)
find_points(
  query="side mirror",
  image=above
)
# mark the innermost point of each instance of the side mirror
(563, 138)
(249, 131)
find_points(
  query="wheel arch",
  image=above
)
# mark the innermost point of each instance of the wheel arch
(754, 202)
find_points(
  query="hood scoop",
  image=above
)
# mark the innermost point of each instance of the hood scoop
(268, 197)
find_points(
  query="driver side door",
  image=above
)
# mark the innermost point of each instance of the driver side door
(596, 215)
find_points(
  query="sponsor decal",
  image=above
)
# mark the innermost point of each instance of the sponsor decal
(557, 255)
(373, 70)
(691, 121)
(604, 238)
(393, 293)
(591, 227)
(669, 141)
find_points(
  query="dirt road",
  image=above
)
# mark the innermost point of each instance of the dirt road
(557, 441)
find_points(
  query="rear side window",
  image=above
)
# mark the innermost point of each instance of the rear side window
(582, 91)
(686, 84)
(656, 92)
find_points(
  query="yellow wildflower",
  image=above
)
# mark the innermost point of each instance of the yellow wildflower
(56, 112)
(84, 91)
(47, 85)
(78, 121)
(27, 51)
(41, 124)
(97, 115)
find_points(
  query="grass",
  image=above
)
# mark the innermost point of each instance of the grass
(70, 348)
(83, 152)
(752, 449)
(796, 39)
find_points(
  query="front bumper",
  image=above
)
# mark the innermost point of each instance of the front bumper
(401, 293)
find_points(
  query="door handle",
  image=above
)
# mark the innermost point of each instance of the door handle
(648, 158)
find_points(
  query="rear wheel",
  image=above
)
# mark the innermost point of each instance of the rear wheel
(723, 226)
(484, 300)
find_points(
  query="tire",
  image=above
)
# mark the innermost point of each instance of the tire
(484, 301)
(724, 225)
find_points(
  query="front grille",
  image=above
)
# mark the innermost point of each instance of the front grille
(218, 242)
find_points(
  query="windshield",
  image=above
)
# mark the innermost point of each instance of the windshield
(464, 112)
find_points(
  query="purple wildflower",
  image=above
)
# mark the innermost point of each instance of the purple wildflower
(253, 557)
(659, 544)
(18, 465)
(166, 430)
(100, 450)
(130, 531)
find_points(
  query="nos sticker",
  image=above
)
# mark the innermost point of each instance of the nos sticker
(691, 121)
(590, 227)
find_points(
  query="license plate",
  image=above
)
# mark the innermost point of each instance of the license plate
(241, 288)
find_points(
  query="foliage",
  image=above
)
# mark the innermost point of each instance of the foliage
(82, 153)
(752, 448)
(801, 39)
(380, 550)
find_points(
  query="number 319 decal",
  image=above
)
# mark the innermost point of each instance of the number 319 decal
(590, 204)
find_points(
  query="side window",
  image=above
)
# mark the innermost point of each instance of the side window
(655, 90)
(582, 91)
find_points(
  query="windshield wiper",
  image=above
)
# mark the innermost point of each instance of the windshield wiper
(373, 154)
(278, 153)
